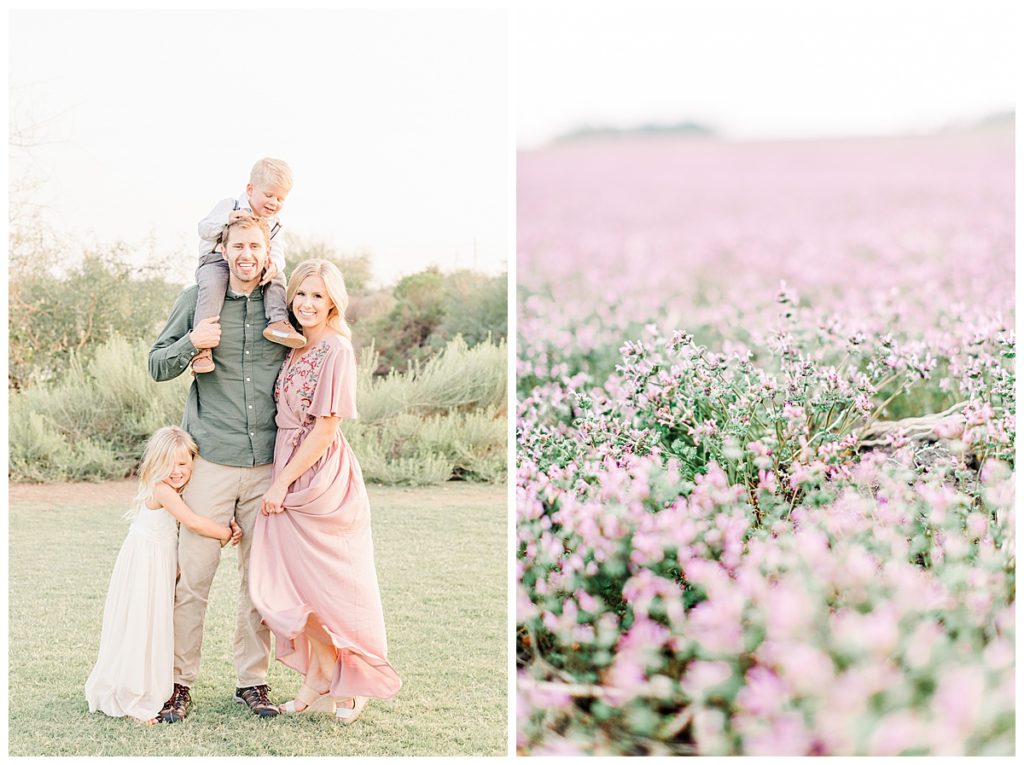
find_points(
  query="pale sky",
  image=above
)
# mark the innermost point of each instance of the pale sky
(395, 123)
(758, 69)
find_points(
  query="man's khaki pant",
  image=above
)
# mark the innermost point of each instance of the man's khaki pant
(219, 492)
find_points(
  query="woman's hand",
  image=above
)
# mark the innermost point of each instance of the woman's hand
(273, 500)
(236, 532)
(225, 536)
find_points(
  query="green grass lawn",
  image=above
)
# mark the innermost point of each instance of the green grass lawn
(442, 567)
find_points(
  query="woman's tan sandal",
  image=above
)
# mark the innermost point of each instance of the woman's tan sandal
(349, 714)
(311, 700)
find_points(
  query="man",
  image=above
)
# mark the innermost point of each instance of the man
(230, 414)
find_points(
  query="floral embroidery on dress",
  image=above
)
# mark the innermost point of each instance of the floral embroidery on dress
(307, 371)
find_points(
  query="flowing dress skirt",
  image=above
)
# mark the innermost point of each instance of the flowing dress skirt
(134, 673)
(313, 564)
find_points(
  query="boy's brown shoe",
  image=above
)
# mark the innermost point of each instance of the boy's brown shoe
(203, 361)
(282, 332)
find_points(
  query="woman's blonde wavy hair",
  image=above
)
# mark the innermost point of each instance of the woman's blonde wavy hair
(158, 460)
(335, 284)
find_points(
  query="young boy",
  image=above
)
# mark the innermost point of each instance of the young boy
(268, 187)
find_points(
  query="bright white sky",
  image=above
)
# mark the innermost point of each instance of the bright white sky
(395, 123)
(759, 69)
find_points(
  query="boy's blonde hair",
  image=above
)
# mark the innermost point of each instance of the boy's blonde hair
(158, 460)
(271, 170)
(335, 284)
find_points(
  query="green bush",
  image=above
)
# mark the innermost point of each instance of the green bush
(37, 451)
(459, 377)
(408, 448)
(474, 442)
(91, 422)
(428, 309)
(390, 452)
(440, 420)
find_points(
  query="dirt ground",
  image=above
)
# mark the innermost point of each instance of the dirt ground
(451, 494)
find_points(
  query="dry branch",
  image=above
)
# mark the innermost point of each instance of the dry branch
(912, 428)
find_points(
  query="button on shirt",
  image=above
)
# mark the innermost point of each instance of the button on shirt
(230, 411)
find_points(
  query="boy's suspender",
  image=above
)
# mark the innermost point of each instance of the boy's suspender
(273, 231)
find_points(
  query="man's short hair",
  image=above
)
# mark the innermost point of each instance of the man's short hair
(247, 223)
(269, 170)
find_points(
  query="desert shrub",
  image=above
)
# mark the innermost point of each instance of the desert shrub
(92, 422)
(442, 420)
(391, 452)
(459, 377)
(474, 442)
(463, 445)
(38, 452)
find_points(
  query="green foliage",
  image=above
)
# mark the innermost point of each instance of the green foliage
(390, 452)
(440, 420)
(459, 377)
(475, 307)
(91, 423)
(53, 317)
(415, 450)
(474, 442)
(430, 309)
(403, 334)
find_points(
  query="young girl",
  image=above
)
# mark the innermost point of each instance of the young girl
(133, 675)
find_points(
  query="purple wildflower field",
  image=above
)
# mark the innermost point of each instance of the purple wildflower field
(765, 452)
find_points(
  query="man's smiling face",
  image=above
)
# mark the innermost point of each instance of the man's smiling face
(246, 253)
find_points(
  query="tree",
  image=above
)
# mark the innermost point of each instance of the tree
(53, 317)
(475, 306)
(431, 308)
(402, 335)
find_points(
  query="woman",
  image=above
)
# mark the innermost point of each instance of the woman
(312, 574)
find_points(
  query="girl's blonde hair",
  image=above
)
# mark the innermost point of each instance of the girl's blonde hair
(335, 284)
(158, 460)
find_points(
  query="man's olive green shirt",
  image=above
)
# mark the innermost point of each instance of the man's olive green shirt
(230, 411)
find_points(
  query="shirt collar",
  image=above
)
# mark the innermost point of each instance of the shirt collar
(257, 292)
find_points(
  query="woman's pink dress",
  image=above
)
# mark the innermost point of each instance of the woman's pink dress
(315, 559)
